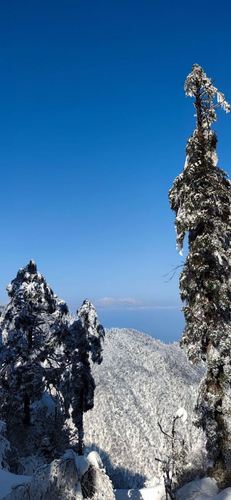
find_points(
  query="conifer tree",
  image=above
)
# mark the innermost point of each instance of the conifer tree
(94, 330)
(27, 326)
(201, 200)
(82, 340)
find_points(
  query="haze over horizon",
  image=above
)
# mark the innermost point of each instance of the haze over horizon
(93, 132)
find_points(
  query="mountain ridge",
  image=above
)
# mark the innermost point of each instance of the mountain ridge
(141, 382)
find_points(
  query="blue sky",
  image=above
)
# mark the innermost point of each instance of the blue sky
(93, 128)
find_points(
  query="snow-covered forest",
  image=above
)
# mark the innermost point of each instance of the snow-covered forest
(92, 413)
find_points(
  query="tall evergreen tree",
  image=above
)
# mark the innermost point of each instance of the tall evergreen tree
(27, 326)
(201, 200)
(82, 340)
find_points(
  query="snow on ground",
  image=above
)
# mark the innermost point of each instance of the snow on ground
(200, 489)
(203, 489)
(224, 495)
(9, 480)
(155, 493)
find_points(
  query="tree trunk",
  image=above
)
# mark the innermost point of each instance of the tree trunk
(80, 435)
(215, 408)
(27, 416)
(77, 416)
(222, 463)
(29, 338)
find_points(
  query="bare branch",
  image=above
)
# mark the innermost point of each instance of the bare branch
(165, 433)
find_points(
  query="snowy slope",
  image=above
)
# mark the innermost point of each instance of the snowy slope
(140, 382)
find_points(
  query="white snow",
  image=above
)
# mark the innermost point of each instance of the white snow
(224, 495)
(9, 481)
(94, 459)
(155, 493)
(200, 489)
(81, 462)
(182, 413)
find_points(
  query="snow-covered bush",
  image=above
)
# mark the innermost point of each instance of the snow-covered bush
(72, 477)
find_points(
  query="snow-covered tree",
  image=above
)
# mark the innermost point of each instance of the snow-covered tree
(27, 330)
(94, 330)
(82, 341)
(201, 199)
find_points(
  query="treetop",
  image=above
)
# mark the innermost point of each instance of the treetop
(200, 86)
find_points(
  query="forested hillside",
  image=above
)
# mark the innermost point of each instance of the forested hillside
(140, 382)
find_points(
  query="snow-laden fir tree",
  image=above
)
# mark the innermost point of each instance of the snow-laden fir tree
(82, 340)
(27, 330)
(201, 199)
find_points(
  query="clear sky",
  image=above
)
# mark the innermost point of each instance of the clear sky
(93, 128)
